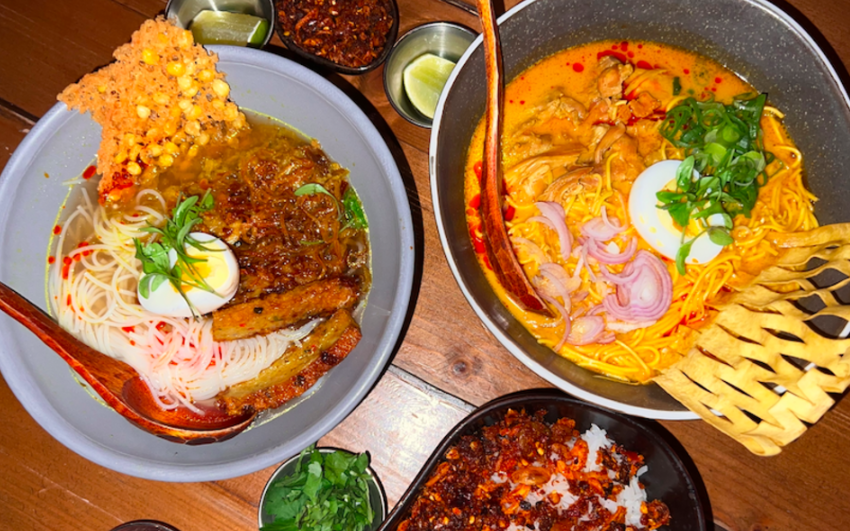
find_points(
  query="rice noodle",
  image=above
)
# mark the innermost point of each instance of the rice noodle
(97, 302)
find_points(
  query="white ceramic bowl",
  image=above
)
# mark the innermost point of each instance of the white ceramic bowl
(64, 143)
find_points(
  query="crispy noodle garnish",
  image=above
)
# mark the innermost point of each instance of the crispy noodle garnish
(763, 368)
(160, 101)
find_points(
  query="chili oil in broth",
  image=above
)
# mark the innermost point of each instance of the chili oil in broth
(280, 240)
(574, 73)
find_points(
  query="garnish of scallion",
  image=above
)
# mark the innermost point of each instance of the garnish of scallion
(724, 143)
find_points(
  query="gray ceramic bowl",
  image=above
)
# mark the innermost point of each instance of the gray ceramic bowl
(754, 38)
(64, 143)
(377, 496)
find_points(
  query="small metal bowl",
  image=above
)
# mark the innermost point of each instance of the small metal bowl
(377, 496)
(342, 69)
(446, 39)
(184, 11)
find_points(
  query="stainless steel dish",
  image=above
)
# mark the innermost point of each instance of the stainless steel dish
(672, 477)
(184, 11)
(754, 38)
(377, 496)
(446, 39)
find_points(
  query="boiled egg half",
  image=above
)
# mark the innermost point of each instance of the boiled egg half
(656, 226)
(220, 270)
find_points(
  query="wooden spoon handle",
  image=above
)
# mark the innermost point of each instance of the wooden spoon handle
(94, 367)
(499, 249)
(108, 377)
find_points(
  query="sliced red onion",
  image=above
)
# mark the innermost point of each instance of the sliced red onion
(565, 314)
(598, 251)
(595, 229)
(596, 310)
(560, 273)
(558, 288)
(586, 330)
(554, 212)
(646, 296)
(533, 249)
(579, 296)
(585, 261)
(607, 337)
(618, 227)
(625, 277)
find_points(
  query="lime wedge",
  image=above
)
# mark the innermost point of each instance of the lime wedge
(221, 27)
(424, 79)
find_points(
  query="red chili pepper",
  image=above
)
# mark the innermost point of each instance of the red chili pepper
(479, 246)
(89, 173)
(478, 168)
(57, 230)
(51, 259)
(476, 201)
(509, 213)
(128, 329)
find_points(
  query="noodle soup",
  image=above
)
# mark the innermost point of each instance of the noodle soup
(580, 128)
(284, 240)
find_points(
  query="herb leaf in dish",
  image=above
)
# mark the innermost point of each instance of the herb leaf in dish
(723, 143)
(327, 492)
(175, 235)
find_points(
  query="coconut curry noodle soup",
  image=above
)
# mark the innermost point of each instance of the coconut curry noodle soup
(230, 271)
(595, 198)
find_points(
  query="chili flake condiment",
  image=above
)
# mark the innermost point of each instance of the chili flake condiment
(351, 33)
(525, 474)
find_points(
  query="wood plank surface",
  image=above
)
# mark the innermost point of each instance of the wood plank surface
(447, 364)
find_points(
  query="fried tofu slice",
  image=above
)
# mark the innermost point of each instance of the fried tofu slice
(280, 310)
(297, 369)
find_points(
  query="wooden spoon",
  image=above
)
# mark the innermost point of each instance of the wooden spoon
(120, 385)
(499, 249)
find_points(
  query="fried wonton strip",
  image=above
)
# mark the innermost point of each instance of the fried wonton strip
(764, 367)
(279, 310)
(298, 368)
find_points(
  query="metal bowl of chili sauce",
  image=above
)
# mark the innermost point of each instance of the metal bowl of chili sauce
(329, 33)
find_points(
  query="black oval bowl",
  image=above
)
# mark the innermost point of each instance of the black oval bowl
(753, 38)
(342, 69)
(669, 478)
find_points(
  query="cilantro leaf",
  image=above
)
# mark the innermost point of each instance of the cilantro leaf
(354, 214)
(326, 492)
(174, 236)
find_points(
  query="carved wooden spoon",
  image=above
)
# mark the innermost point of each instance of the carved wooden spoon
(499, 249)
(120, 385)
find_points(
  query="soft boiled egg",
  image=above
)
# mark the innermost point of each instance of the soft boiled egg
(220, 270)
(655, 225)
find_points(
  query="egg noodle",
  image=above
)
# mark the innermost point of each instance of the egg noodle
(92, 289)
(590, 178)
(783, 205)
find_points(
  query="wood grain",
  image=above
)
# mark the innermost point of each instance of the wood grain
(447, 363)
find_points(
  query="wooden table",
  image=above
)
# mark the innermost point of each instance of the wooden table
(447, 365)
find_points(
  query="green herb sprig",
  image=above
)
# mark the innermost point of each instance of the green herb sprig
(154, 254)
(350, 209)
(327, 492)
(724, 144)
